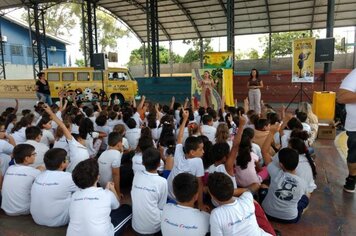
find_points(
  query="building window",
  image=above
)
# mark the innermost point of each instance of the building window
(29, 52)
(16, 50)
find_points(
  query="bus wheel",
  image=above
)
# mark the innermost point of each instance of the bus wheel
(119, 97)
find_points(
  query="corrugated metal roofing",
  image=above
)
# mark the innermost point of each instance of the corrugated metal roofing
(187, 19)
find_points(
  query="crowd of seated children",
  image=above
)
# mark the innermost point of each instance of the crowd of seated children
(173, 165)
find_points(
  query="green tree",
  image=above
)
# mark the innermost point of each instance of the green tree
(59, 19)
(282, 43)
(339, 48)
(253, 54)
(79, 62)
(193, 54)
(136, 57)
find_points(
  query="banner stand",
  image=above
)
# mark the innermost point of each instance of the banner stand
(300, 91)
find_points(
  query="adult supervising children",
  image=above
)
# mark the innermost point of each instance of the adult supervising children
(347, 95)
(254, 85)
(43, 92)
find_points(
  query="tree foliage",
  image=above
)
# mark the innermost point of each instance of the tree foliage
(193, 54)
(136, 57)
(282, 43)
(252, 54)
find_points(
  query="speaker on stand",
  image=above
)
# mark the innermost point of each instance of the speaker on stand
(324, 52)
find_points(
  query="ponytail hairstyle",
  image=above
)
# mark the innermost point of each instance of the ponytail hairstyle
(44, 120)
(86, 127)
(244, 155)
(9, 119)
(297, 142)
(24, 122)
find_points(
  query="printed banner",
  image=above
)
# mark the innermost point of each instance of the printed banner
(218, 60)
(303, 60)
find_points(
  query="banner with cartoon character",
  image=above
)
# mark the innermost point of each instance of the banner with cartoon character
(218, 60)
(303, 60)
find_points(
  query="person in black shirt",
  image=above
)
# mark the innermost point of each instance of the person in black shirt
(42, 89)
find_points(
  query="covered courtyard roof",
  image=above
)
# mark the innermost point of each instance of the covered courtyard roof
(189, 19)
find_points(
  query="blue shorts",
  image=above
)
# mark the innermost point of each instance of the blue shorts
(121, 219)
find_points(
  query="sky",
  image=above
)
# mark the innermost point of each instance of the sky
(128, 43)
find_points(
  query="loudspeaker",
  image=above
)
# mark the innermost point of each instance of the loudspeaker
(99, 61)
(324, 51)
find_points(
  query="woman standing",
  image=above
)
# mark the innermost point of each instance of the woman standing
(42, 89)
(207, 85)
(254, 94)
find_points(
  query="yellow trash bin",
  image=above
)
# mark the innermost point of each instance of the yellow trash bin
(324, 105)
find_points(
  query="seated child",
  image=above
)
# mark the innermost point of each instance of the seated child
(182, 218)
(92, 209)
(52, 190)
(149, 194)
(33, 136)
(18, 179)
(234, 216)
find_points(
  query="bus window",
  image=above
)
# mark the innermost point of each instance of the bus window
(97, 76)
(119, 76)
(83, 76)
(67, 76)
(53, 76)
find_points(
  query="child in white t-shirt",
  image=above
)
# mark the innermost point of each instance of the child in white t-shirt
(33, 136)
(45, 124)
(234, 216)
(188, 160)
(7, 144)
(132, 133)
(110, 162)
(92, 138)
(52, 190)
(149, 194)
(182, 218)
(18, 179)
(102, 127)
(207, 128)
(94, 211)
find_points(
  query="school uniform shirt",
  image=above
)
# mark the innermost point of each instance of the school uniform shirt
(75, 129)
(89, 143)
(51, 193)
(9, 128)
(5, 155)
(62, 143)
(306, 127)
(349, 84)
(285, 138)
(249, 175)
(137, 165)
(236, 218)
(178, 220)
(16, 189)
(125, 143)
(89, 212)
(209, 131)
(109, 159)
(78, 153)
(111, 123)
(20, 135)
(133, 136)
(149, 195)
(185, 134)
(216, 124)
(283, 194)
(40, 150)
(107, 130)
(182, 164)
(257, 150)
(47, 137)
(303, 170)
(137, 118)
(53, 123)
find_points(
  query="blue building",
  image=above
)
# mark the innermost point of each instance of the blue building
(18, 48)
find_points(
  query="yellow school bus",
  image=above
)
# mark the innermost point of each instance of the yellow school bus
(88, 84)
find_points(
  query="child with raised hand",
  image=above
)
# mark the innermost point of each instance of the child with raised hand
(77, 149)
(18, 179)
(234, 216)
(94, 211)
(188, 160)
(45, 124)
(52, 190)
(149, 195)
(182, 218)
(286, 198)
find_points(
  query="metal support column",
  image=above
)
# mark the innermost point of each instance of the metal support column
(153, 38)
(2, 61)
(89, 30)
(230, 20)
(329, 34)
(144, 58)
(170, 58)
(201, 55)
(269, 52)
(38, 38)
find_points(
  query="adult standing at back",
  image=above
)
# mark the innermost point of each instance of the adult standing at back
(347, 95)
(42, 89)
(254, 85)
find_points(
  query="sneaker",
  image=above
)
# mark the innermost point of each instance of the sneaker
(350, 184)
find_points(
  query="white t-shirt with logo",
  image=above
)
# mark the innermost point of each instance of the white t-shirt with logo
(89, 212)
(47, 137)
(62, 143)
(149, 195)
(138, 166)
(16, 189)
(178, 220)
(109, 159)
(40, 150)
(236, 218)
(133, 136)
(182, 164)
(5, 155)
(209, 131)
(349, 83)
(50, 198)
(284, 193)
(20, 135)
(78, 153)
